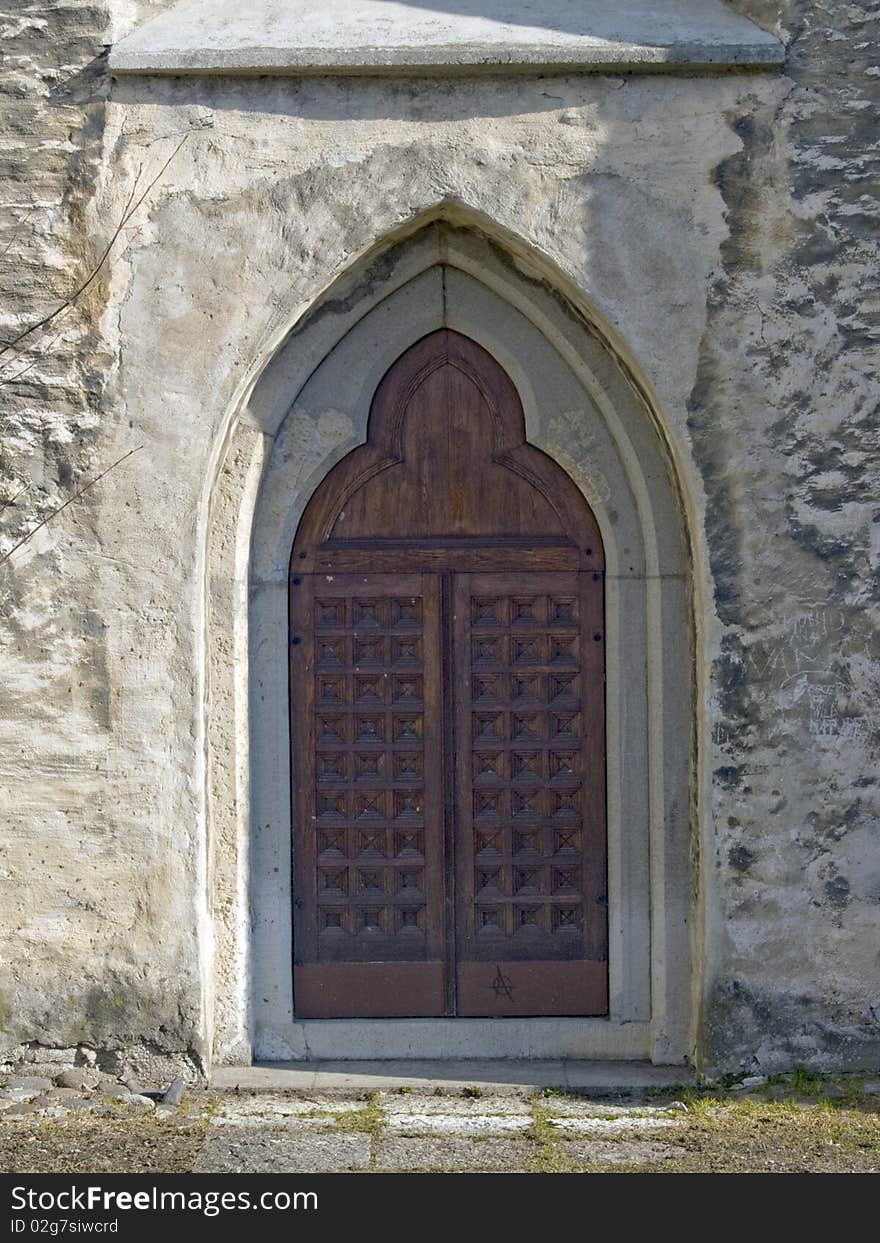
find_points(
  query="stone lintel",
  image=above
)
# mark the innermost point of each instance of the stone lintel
(449, 38)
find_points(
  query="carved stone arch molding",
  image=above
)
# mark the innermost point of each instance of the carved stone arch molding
(308, 410)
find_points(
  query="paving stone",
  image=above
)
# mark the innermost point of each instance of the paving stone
(613, 1126)
(464, 1107)
(569, 1107)
(254, 1110)
(627, 1152)
(453, 1155)
(280, 1150)
(456, 1124)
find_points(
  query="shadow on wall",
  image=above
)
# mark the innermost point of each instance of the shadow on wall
(364, 99)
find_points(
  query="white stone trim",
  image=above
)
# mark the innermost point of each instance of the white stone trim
(308, 409)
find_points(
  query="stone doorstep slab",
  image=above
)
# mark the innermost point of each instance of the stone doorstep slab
(492, 1078)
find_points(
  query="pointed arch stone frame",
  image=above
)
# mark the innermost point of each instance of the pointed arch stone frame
(586, 408)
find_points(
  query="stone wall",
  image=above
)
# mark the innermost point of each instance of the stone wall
(784, 422)
(725, 231)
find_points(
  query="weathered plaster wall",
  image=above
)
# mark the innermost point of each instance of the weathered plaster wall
(784, 423)
(721, 228)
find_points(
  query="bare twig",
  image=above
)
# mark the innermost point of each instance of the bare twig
(13, 499)
(58, 509)
(18, 228)
(130, 208)
(38, 358)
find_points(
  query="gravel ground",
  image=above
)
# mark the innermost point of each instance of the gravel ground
(796, 1123)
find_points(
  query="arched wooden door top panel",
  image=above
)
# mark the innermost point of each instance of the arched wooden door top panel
(453, 483)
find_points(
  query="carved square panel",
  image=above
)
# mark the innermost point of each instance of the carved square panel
(330, 691)
(526, 689)
(566, 919)
(370, 882)
(371, 920)
(526, 843)
(491, 921)
(406, 614)
(332, 844)
(531, 650)
(332, 922)
(564, 650)
(564, 765)
(332, 883)
(528, 918)
(406, 652)
(369, 806)
(567, 841)
(332, 766)
(367, 614)
(525, 804)
(488, 653)
(488, 842)
(526, 881)
(409, 806)
(329, 614)
(528, 726)
(488, 767)
(408, 766)
(331, 730)
(565, 804)
(332, 806)
(409, 883)
(526, 766)
(528, 610)
(407, 728)
(369, 767)
(565, 727)
(369, 728)
(409, 843)
(371, 843)
(488, 882)
(564, 689)
(409, 921)
(489, 688)
(369, 652)
(407, 691)
(566, 880)
(488, 727)
(487, 613)
(563, 611)
(369, 690)
(330, 653)
(488, 804)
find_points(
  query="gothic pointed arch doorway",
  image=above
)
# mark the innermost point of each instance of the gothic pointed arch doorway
(447, 713)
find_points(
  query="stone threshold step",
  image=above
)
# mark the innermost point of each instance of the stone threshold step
(427, 1076)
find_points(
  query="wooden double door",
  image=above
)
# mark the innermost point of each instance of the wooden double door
(447, 713)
